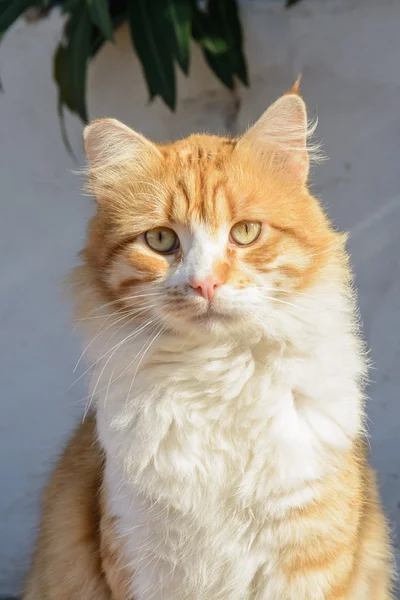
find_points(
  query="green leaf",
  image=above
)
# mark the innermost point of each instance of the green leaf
(78, 51)
(225, 14)
(61, 77)
(214, 45)
(118, 16)
(60, 74)
(209, 41)
(68, 6)
(64, 134)
(178, 15)
(10, 10)
(148, 25)
(218, 31)
(100, 14)
(219, 63)
(71, 60)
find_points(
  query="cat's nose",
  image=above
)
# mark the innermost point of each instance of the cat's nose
(206, 287)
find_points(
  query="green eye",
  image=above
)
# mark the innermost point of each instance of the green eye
(245, 232)
(162, 240)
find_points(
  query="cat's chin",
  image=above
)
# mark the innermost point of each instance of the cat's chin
(206, 322)
(210, 323)
(220, 325)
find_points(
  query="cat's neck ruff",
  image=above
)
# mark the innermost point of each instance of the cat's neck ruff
(232, 383)
(199, 435)
(307, 388)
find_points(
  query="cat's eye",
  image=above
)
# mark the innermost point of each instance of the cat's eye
(162, 240)
(245, 232)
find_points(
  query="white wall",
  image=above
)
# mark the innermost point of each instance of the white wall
(348, 51)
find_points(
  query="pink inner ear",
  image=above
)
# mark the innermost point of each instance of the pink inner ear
(283, 127)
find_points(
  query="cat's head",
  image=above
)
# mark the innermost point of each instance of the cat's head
(207, 233)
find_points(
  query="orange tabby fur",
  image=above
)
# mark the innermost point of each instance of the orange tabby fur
(341, 537)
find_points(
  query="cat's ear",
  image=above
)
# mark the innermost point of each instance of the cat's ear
(109, 142)
(282, 133)
(116, 154)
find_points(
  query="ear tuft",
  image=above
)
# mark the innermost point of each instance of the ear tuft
(296, 86)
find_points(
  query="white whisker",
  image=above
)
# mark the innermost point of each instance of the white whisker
(152, 341)
(116, 347)
(119, 300)
(127, 316)
(287, 303)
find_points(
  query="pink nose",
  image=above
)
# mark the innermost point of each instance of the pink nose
(207, 286)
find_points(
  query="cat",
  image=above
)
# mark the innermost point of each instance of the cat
(223, 456)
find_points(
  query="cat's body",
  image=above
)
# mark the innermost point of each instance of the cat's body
(232, 425)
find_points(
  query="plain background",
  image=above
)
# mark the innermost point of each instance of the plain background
(348, 51)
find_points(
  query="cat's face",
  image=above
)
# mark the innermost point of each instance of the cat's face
(206, 234)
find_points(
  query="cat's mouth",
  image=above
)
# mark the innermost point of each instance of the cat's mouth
(196, 312)
(211, 315)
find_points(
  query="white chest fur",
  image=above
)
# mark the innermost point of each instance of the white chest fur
(207, 447)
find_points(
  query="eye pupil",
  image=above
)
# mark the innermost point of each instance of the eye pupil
(162, 240)
(245, 233)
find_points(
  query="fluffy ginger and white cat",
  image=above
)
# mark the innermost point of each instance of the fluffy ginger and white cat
(223, 457)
